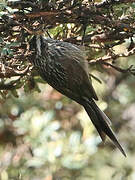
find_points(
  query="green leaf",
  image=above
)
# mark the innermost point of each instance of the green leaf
(14, 92)
(4, 52)
(1, 40)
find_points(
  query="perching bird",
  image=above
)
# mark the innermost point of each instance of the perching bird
(62, 65)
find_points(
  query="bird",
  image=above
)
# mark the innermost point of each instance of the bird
(63, 66)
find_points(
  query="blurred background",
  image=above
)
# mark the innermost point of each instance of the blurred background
(46, 136)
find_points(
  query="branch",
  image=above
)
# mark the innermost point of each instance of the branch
(112, 57)
(9, 86)
(8, 73)
(21, 4)
(130, 69)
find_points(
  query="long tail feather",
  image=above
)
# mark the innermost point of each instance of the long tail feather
(101, 123)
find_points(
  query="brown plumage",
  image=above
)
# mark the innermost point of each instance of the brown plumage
(62, 65)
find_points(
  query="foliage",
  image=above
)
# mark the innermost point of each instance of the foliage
(44, 135)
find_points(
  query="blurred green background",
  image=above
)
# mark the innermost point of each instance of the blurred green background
(47, 136)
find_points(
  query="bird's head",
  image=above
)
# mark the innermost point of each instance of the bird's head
(38, 44)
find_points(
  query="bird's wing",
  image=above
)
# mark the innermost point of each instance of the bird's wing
(77, 78)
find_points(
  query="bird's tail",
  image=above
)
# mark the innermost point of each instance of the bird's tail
(101, 123)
